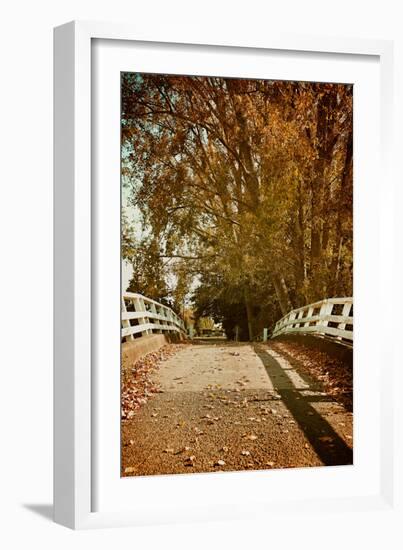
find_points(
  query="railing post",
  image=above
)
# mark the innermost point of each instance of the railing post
(164, 312)
(140, 306)
(265, 335)
(126, 322)
(345, 313)
(309, 314)
(291, 317)
(325, 310)
(154, 310)
(170, 318)
(170, 315)
(299, 316)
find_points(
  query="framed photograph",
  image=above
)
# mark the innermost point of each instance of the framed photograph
(219, 242)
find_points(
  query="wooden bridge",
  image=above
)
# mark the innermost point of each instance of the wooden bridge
(224, 405)
(142, 316)
(332, 318)
(266, 408)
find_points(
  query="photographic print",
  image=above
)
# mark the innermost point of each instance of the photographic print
(236, 274)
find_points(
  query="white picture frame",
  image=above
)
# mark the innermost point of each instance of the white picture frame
(76, 291)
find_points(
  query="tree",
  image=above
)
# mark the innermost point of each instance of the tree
(247, 182)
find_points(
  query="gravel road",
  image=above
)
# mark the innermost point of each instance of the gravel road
(234, 406)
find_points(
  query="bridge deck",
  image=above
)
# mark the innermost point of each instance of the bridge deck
(245, 405)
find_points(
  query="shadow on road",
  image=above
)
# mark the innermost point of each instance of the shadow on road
(326, 442)
(345, 356)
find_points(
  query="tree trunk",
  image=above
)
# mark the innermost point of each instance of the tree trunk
(282, 294)
(346, 184)
(249, 314)
(316, 219)
(335, 264)
(299, 247)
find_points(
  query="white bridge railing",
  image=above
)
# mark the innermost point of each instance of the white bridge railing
(141, 315)
(332, 317)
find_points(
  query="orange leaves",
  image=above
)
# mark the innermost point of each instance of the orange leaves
(243, 179)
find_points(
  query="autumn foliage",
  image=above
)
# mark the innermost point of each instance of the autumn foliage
(241, 192)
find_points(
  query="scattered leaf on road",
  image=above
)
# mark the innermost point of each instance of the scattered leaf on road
(190, 460)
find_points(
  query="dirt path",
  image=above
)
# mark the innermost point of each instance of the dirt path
(230, 406)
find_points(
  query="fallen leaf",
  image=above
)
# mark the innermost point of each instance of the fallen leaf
(251, 437)
(220, 463)
(130, 470)
(245, 453)
(190, 460)
(182, 450)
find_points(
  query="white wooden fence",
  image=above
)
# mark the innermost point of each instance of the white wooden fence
(141, 315)
(332, 317)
